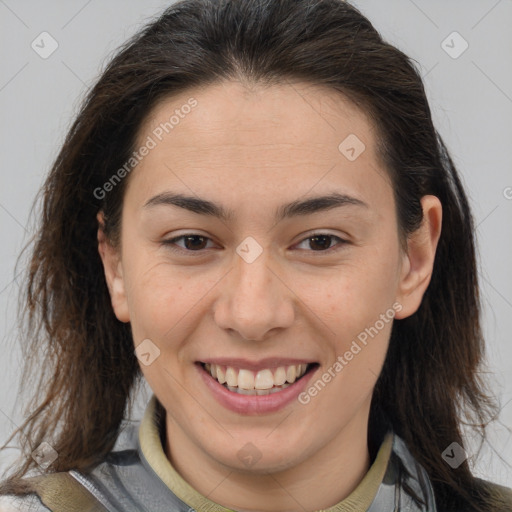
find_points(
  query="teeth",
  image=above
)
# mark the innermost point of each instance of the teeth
(231, 377)
(259, 392)
(262, 382)
(245, 379)
(291, 373)
(221, 377)
(280, 376)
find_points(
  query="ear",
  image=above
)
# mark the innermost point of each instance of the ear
(418, 262)
(113, 269)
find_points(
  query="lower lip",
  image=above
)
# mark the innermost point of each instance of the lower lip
(254, 404)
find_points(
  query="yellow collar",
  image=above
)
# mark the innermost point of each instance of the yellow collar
(152, 449)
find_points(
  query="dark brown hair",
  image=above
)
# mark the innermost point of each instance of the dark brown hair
(429, 385)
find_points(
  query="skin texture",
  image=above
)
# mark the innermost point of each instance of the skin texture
(253, 149)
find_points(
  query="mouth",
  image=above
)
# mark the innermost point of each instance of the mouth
(261, 382)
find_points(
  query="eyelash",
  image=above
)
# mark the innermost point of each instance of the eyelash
(171, 243)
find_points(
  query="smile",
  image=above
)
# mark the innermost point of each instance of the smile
(262, 382)
(255, 388)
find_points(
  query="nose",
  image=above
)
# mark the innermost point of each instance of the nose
(255, 300)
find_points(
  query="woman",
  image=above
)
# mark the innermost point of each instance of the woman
(254, 212)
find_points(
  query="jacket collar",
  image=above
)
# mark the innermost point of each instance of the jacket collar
(137, 477)
(383, 487)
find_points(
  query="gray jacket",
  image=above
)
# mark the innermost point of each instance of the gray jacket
(126, 482)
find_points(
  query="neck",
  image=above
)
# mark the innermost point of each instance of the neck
(320, 481)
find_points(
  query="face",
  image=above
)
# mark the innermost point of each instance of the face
(298, 281)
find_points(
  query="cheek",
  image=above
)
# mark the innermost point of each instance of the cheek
(355, 296)
(356, 357)
(359, 306)
(156, 296)
(165, 301)
(159, 299)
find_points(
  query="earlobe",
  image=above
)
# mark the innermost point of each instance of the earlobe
(113, 270)
(418, 263)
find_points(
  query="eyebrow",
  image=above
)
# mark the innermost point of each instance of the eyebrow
(293, 209)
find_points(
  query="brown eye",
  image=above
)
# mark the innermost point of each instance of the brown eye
(321, 242)
(191, 243)
(194, 242)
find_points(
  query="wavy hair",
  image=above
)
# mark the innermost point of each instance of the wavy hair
(430, 385)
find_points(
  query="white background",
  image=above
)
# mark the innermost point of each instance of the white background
(471, 97)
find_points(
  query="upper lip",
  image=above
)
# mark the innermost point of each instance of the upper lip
(268, 362)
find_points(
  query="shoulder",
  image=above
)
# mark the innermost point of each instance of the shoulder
(500, 498)
(500, 491)
(29, 503)
(59, 490)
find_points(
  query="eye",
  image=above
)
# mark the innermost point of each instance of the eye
(321, 242)
(193, 242)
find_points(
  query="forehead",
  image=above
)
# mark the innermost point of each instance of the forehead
(257, 138)
(231, 113)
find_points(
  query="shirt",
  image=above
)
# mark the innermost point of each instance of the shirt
(137, 476)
